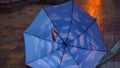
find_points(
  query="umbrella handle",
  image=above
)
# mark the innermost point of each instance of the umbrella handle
(53, 36)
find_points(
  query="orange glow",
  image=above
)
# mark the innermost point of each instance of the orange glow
(93, 8)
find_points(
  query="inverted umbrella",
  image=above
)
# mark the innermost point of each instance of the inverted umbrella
(63, 36)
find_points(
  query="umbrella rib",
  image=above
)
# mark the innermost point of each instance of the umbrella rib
(85, 30)
(71, 19)
(98, 43)
(86, 48)
(45, 39)
(62, 57)
(73, 57)
(53, 25)
(45, 55)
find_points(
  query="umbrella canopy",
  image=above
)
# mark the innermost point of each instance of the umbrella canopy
(63, 36)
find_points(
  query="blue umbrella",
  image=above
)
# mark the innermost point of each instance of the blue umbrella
(63, 36)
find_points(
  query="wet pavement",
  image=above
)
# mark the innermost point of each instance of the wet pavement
(12, 25)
